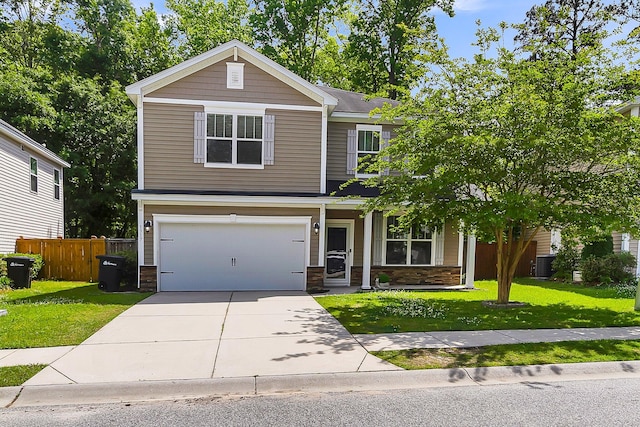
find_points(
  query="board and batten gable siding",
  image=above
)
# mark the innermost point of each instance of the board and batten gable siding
(168, 154)
(337, 149)
(150, 210)
(210, 84)
(26, 213)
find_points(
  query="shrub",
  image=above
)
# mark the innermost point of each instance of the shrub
(38, 262)
(5, 283)
(611, 269)
(567, 260)
(130, 267)
(598, 248)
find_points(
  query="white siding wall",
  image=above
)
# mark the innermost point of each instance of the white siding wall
(23, 212)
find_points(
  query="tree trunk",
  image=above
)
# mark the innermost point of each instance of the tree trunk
(509, 255)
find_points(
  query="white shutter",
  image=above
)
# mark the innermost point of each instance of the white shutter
(386, 136)
(199, 137)
(352, 151)
(269, 139)
(438, 238)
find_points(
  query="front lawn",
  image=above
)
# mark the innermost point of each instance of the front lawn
(514, 354)
(54, 313)
(17, 375)
(549, 305)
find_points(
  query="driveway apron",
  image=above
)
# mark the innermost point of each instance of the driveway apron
(199, 335)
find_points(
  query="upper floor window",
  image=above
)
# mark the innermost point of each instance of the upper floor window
(408, 247)
(56, 184)
(34, 174)
(368, 147)
(234, 139)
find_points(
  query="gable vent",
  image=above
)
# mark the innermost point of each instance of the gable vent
(235, 75)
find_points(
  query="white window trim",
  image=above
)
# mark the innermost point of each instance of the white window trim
(235, 112)
(31, 174)
(434, 237)
(58, 184)
(373, 128)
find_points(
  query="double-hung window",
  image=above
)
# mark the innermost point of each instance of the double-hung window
(408, 247)
(369, 138)
(34, 174)
(234, 139)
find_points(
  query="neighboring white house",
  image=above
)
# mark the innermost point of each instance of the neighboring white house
(31, 190)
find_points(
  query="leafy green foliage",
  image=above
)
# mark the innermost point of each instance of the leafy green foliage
(598, 248)
(609, 269)
(566, 262)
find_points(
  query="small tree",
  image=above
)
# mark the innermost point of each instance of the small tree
(505, 145)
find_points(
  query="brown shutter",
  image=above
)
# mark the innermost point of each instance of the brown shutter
(269, 139)
(352, 151)
(199, 137)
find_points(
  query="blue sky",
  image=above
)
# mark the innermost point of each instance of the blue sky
(459, 31)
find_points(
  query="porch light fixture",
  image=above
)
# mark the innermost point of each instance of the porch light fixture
(147, 226)
(316, 228)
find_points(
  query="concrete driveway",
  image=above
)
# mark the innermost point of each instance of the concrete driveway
(199, 335)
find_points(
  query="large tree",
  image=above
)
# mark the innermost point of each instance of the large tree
(295, 33)
(505, 145)
(384, 40)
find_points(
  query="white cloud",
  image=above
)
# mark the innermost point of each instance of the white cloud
(470, 5)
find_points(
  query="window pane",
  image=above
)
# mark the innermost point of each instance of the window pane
(250, 152)
(420, 232)
(34, 166)
(228, 126)
(375, 145)
(361, 142)
(396, 253)
(56, 192)
(364, 160)
(218, 151)
(420, 252)
(242, 127)
(56, 176)
(258, 128)
(34, 183)
(211, 125)
(392, 222)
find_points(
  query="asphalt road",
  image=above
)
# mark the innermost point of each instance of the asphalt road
(614, 402)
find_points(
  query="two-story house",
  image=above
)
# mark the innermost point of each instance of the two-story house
(238, 159)
(31, 197)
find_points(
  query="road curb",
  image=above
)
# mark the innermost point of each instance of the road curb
(319, 383)
(8, 395)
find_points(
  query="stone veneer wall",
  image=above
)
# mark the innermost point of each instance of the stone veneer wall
(315, 277)
(409, 275)
(148, 278)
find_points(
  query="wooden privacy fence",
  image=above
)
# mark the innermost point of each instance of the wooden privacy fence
(69, 259)
(487, 261)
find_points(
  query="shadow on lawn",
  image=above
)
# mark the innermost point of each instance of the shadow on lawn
(463, 315)
(89, 294)
(607, 292)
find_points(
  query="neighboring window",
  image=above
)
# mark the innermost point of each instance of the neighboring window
(235, 75)
(408, 247)
(34, 174)
(368, 147)
(234, 139)
(56, 184)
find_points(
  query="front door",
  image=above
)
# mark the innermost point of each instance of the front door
(338, 253)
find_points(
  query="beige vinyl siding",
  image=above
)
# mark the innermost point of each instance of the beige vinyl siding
(543, 242)
(149, 210)
(26, 213)
(168, 154)
(617, 241)
(210, 84)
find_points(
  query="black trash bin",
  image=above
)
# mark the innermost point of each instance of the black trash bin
(19, 270)
(110, 272)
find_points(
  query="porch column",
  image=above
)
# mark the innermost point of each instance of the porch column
(366, 251)
(141, 233)
(625, 244)
(321, 234)
(471, 261)
(460, 251)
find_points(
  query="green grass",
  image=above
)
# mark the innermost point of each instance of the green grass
(549, 305)
(54, 313)
(16, 375)
(514, 354)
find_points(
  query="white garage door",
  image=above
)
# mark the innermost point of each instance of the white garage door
(231, 257)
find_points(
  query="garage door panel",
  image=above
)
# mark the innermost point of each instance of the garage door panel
(232, 257)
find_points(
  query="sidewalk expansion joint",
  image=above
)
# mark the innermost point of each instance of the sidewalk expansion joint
(224, 321)
(15, 398)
